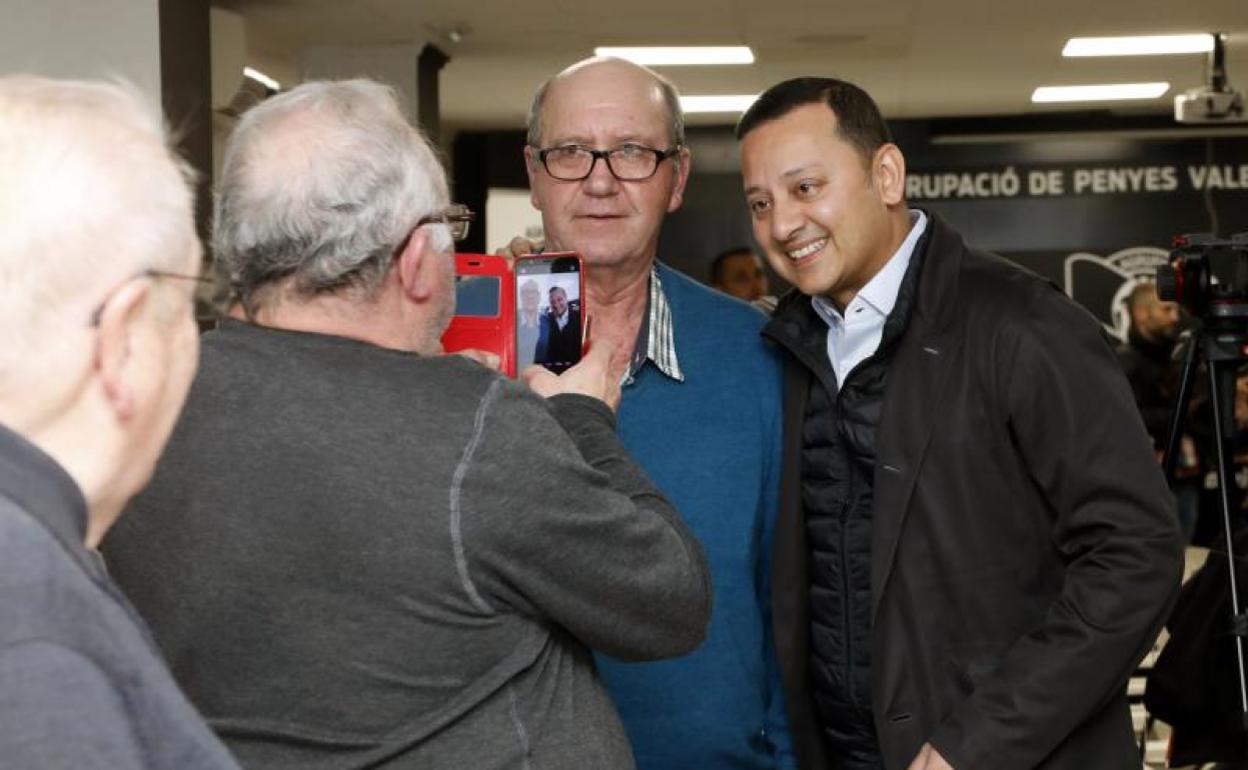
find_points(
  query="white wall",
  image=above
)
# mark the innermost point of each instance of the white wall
(394, 65)
(83, 39)
(509, 213)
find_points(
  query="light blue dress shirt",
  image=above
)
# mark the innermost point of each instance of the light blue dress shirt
(855, 335)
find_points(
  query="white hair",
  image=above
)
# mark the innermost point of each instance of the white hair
(90, 195)
(323, 183)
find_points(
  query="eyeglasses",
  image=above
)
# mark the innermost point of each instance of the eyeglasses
(457, 215)
(203, 280)
(627, 163)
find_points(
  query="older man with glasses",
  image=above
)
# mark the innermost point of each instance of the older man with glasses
(99, 348)
(700, 410)
(344, 557)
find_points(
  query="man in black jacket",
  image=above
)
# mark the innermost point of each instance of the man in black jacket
(1147, 358)
(562, 334)
(975, 544)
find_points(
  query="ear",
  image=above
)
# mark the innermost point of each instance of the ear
(532, 166)
(888, 169)
(414, 267)
(682, 178)
(115, 345)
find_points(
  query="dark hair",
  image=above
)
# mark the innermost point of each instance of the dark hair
(717, 264)
(858, 119)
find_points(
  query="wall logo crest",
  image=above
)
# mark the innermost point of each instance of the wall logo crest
(1102, 284)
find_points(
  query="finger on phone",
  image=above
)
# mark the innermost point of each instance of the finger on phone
(538, 379)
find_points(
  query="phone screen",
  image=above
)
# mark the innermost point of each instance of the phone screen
(548, 312)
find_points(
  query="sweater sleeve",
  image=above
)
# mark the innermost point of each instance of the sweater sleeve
(61, 710)
(778, 733)
(1076, 429)
(560, 524)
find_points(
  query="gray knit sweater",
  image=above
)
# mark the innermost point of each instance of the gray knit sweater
(356, 557)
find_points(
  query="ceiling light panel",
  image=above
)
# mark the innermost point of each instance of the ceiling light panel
(1099, 93)
(262, 78)
(1146, 45)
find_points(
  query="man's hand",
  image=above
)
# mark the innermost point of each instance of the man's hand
(518, 247)
(929, 759)
(591, 377)
(485, 358)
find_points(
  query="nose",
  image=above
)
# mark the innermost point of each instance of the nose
(601, 181)
(787, 220)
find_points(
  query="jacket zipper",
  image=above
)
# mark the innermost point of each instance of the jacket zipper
(846, 591)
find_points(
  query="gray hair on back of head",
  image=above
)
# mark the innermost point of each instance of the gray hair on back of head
(671, 100)
(323, 184)
(91, 194)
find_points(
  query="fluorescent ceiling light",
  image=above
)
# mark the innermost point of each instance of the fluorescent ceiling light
(1137, 46)
(1099, 93)
(661, 56)
(262, 78)
(724, 103)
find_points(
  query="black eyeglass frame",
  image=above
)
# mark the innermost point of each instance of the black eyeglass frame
(204, 280)
(659, 157)
(457, 215)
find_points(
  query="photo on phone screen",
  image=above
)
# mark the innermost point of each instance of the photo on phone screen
(548, 312)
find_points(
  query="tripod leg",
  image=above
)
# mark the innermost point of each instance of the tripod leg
(1222, 383)
(1179, 416)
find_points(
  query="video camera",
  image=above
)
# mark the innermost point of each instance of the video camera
(1207, 275)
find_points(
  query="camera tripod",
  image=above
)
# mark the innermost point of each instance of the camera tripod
(1221, 342)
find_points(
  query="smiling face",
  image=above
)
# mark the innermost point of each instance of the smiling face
(828, 218)
(558, 302)
(603, 105)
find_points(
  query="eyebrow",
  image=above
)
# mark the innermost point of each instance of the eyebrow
(793, 172)
(800, 170)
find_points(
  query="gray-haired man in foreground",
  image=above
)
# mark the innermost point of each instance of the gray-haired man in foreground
(99, 346)
(363, 553)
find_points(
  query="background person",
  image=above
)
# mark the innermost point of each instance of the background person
(99, 347)
(739, 272)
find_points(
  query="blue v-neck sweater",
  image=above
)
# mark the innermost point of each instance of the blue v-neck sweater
(712, 445)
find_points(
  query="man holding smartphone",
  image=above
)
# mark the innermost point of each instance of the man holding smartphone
(700, 408)
(342, 556)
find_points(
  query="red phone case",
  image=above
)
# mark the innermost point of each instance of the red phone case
(495, 335)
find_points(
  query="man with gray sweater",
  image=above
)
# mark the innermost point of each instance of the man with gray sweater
(358, 552)
(99, 348)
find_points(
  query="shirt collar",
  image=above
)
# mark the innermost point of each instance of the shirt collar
(43, 489)
(880, 293)
(656, 339)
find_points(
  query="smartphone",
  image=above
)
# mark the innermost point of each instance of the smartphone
(549, 307)
(483, 309)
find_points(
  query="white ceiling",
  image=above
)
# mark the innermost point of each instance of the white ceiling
(919, 58)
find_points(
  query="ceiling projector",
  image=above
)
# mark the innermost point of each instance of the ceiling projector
(1215, 101)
